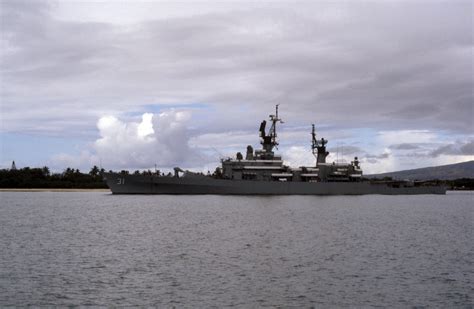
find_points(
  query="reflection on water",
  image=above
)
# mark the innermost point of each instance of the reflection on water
(296, 251)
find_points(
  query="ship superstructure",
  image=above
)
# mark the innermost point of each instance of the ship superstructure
(264, 165)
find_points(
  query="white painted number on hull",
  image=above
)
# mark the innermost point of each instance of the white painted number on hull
(120, 181)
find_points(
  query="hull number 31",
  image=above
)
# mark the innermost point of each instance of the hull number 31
(120, 181)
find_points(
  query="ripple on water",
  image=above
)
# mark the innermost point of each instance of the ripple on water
(96, 249)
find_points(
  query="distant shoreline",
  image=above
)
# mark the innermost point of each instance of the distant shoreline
(108, 190)
(51, 190)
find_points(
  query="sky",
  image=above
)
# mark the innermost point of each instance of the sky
(134, 84)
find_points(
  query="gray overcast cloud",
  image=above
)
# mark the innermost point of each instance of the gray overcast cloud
(383, 65)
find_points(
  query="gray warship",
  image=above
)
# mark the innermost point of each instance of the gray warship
(262, 172)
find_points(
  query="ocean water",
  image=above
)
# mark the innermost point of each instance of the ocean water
(90, 248)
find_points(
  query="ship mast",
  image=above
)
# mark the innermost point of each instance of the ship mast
(314, 142)
(318, 147)
(270, 140)
(273, 133)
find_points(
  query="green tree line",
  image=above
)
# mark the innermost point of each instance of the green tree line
(42, 178)
(74, 179)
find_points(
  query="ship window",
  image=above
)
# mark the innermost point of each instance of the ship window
(249, 176)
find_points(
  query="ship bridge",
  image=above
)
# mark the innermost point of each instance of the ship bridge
(264, 165)
(260, 164)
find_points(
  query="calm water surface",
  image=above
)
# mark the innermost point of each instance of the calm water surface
(60, 249)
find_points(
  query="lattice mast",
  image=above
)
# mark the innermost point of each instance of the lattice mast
(318, 147)
(270, 140)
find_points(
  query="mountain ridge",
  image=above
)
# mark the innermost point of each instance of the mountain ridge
(441, 172)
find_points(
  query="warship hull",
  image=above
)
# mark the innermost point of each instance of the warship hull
(146, 184)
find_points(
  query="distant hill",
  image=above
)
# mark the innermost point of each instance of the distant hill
(443, 172)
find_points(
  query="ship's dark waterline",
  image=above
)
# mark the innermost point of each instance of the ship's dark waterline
(60, 249)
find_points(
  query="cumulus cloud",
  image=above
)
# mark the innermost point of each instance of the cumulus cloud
(84, 160)
(298, 156)
(161, 139)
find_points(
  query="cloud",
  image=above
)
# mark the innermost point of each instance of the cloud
(84, 160)
(404, 146)
(394, 137)
(377, 163)
(396, 64)
(347, 150)
(460, 149)
(467, 149)
(233, 140)
(384, 155)
(161, 139)
(296, 156)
